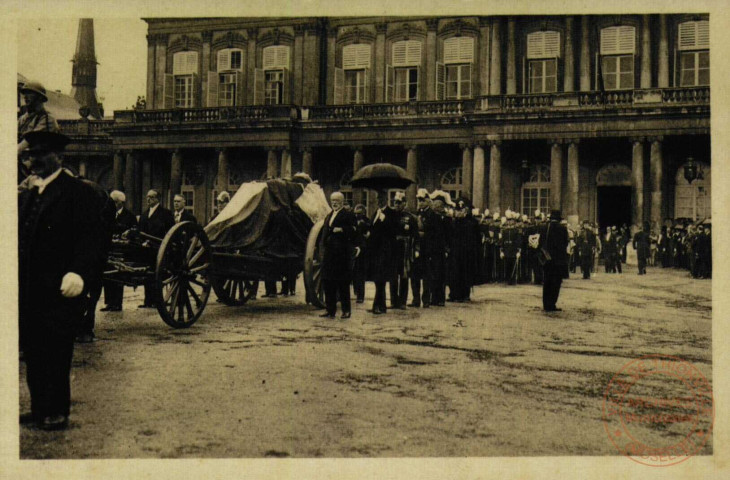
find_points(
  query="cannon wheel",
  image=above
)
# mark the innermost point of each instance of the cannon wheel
(313, 266)
(234, 292)
(182, 278)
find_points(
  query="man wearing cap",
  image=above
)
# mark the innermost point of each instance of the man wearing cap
(641, 245)
(405, 237)
(338, 234)
(58, 245)
(155, 221)
(554, 239)
(123, 221)
(381, 244)
(422, 253)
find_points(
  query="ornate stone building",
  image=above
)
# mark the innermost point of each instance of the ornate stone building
(596, 115)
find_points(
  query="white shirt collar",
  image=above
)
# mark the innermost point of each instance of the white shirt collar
(152, 209)
(42, 183)
(334, 214)
(119, 212)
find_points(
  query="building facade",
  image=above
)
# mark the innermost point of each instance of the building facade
(595, 115)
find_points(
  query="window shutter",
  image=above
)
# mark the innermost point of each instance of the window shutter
(459, 50)
(617, 40)
(168, 93)
(551, 44)
(258, 87)
(349, 57)
(363, 56)
(178, 64)
(399, 54)
(212, 94)
(451, 50)
(191, 62)
(694, 35)
(240, 97)
(389, 83)
(356, 56)
(440, 81)
(285, 90)
(269, 60)
(282, 56)
(367, 86)
(466, 49)
(339, 86)
(224, 60)
(196, 91)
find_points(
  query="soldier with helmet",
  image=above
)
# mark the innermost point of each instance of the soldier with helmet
(36, 118)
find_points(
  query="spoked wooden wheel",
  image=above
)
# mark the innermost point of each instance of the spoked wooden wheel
(234, 292)
(313, 266)
(182, 281)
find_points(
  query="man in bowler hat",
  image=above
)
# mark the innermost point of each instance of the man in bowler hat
(554, 238)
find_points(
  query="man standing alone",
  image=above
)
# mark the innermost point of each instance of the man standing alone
(641, 245)
(554, 239)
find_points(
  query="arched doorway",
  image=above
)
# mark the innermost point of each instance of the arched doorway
(613, 192)
(692, 200)
(536, 191)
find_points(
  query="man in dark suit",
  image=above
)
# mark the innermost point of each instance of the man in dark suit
(123, 221)
(338, 236)
(437, 234)
(641, 245)
(586, 245)
(58, 242)
(359, 269)
(421, 256)
(179, 212)
(155, 221)
(380, 247)
(406, 235)
(554, 238)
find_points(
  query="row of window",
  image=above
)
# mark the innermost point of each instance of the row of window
(454, 69)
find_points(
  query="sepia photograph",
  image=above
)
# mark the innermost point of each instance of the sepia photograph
(366, 237)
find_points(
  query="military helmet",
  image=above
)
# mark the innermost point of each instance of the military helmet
(35, 87)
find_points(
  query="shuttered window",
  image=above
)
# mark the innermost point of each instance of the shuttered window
(356, 56)
(543, 45)
(185, 63)
(459, 50)
(276, 57)
(230, 59)
(694, 35)
(406, 53)
(618, 40)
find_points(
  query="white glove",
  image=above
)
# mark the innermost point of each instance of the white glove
(72, 285)
(357, 252)
(519, 254)
(416, 254)
(337, 230)
(501, 254)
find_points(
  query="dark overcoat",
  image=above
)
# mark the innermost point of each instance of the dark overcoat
(338, 246)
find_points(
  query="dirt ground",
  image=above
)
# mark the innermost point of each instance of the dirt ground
(494, 377)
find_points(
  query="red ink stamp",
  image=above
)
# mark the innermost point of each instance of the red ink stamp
(658, 410)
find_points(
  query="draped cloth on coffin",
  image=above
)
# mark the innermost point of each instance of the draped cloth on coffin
(266, 218)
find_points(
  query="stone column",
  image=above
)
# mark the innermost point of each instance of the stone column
(307, 161)
(637, 183)
(357, 163)
(130, 183)
(412, 169)
(556, 174)
(467, 171)
(251, 64)
(484, 55)
(429, 83)
(272, 164)
(297, 81)
(645, 52)
(221, 181)
(585, 54)
(160, 70)
(479, 177)
(663, 75)
(175, 173)
(495, 66)
(495, 176)
(205, 61)
(657, 172)
(571, 203)
(380, 57)
(285, 163)
(118, 170)
(569, 73)
(511, 60)
(151, 40)
(331, 47)
(310, 75)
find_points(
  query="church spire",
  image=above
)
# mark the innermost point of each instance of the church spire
(83, 79)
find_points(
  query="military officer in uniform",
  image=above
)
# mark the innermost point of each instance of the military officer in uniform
(405, 237)
(510, 250)
(437, 231)
(422, 253)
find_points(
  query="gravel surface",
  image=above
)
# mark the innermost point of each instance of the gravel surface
(493, 377)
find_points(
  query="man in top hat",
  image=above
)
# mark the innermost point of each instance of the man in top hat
(155, 221)
(123, 221)
(338, 235)
(405, 237)
(554, 238)
(59, 239)
(383, 229)
(641, 245)
(422, 253)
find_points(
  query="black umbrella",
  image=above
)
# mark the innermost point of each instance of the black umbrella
(381, 176)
